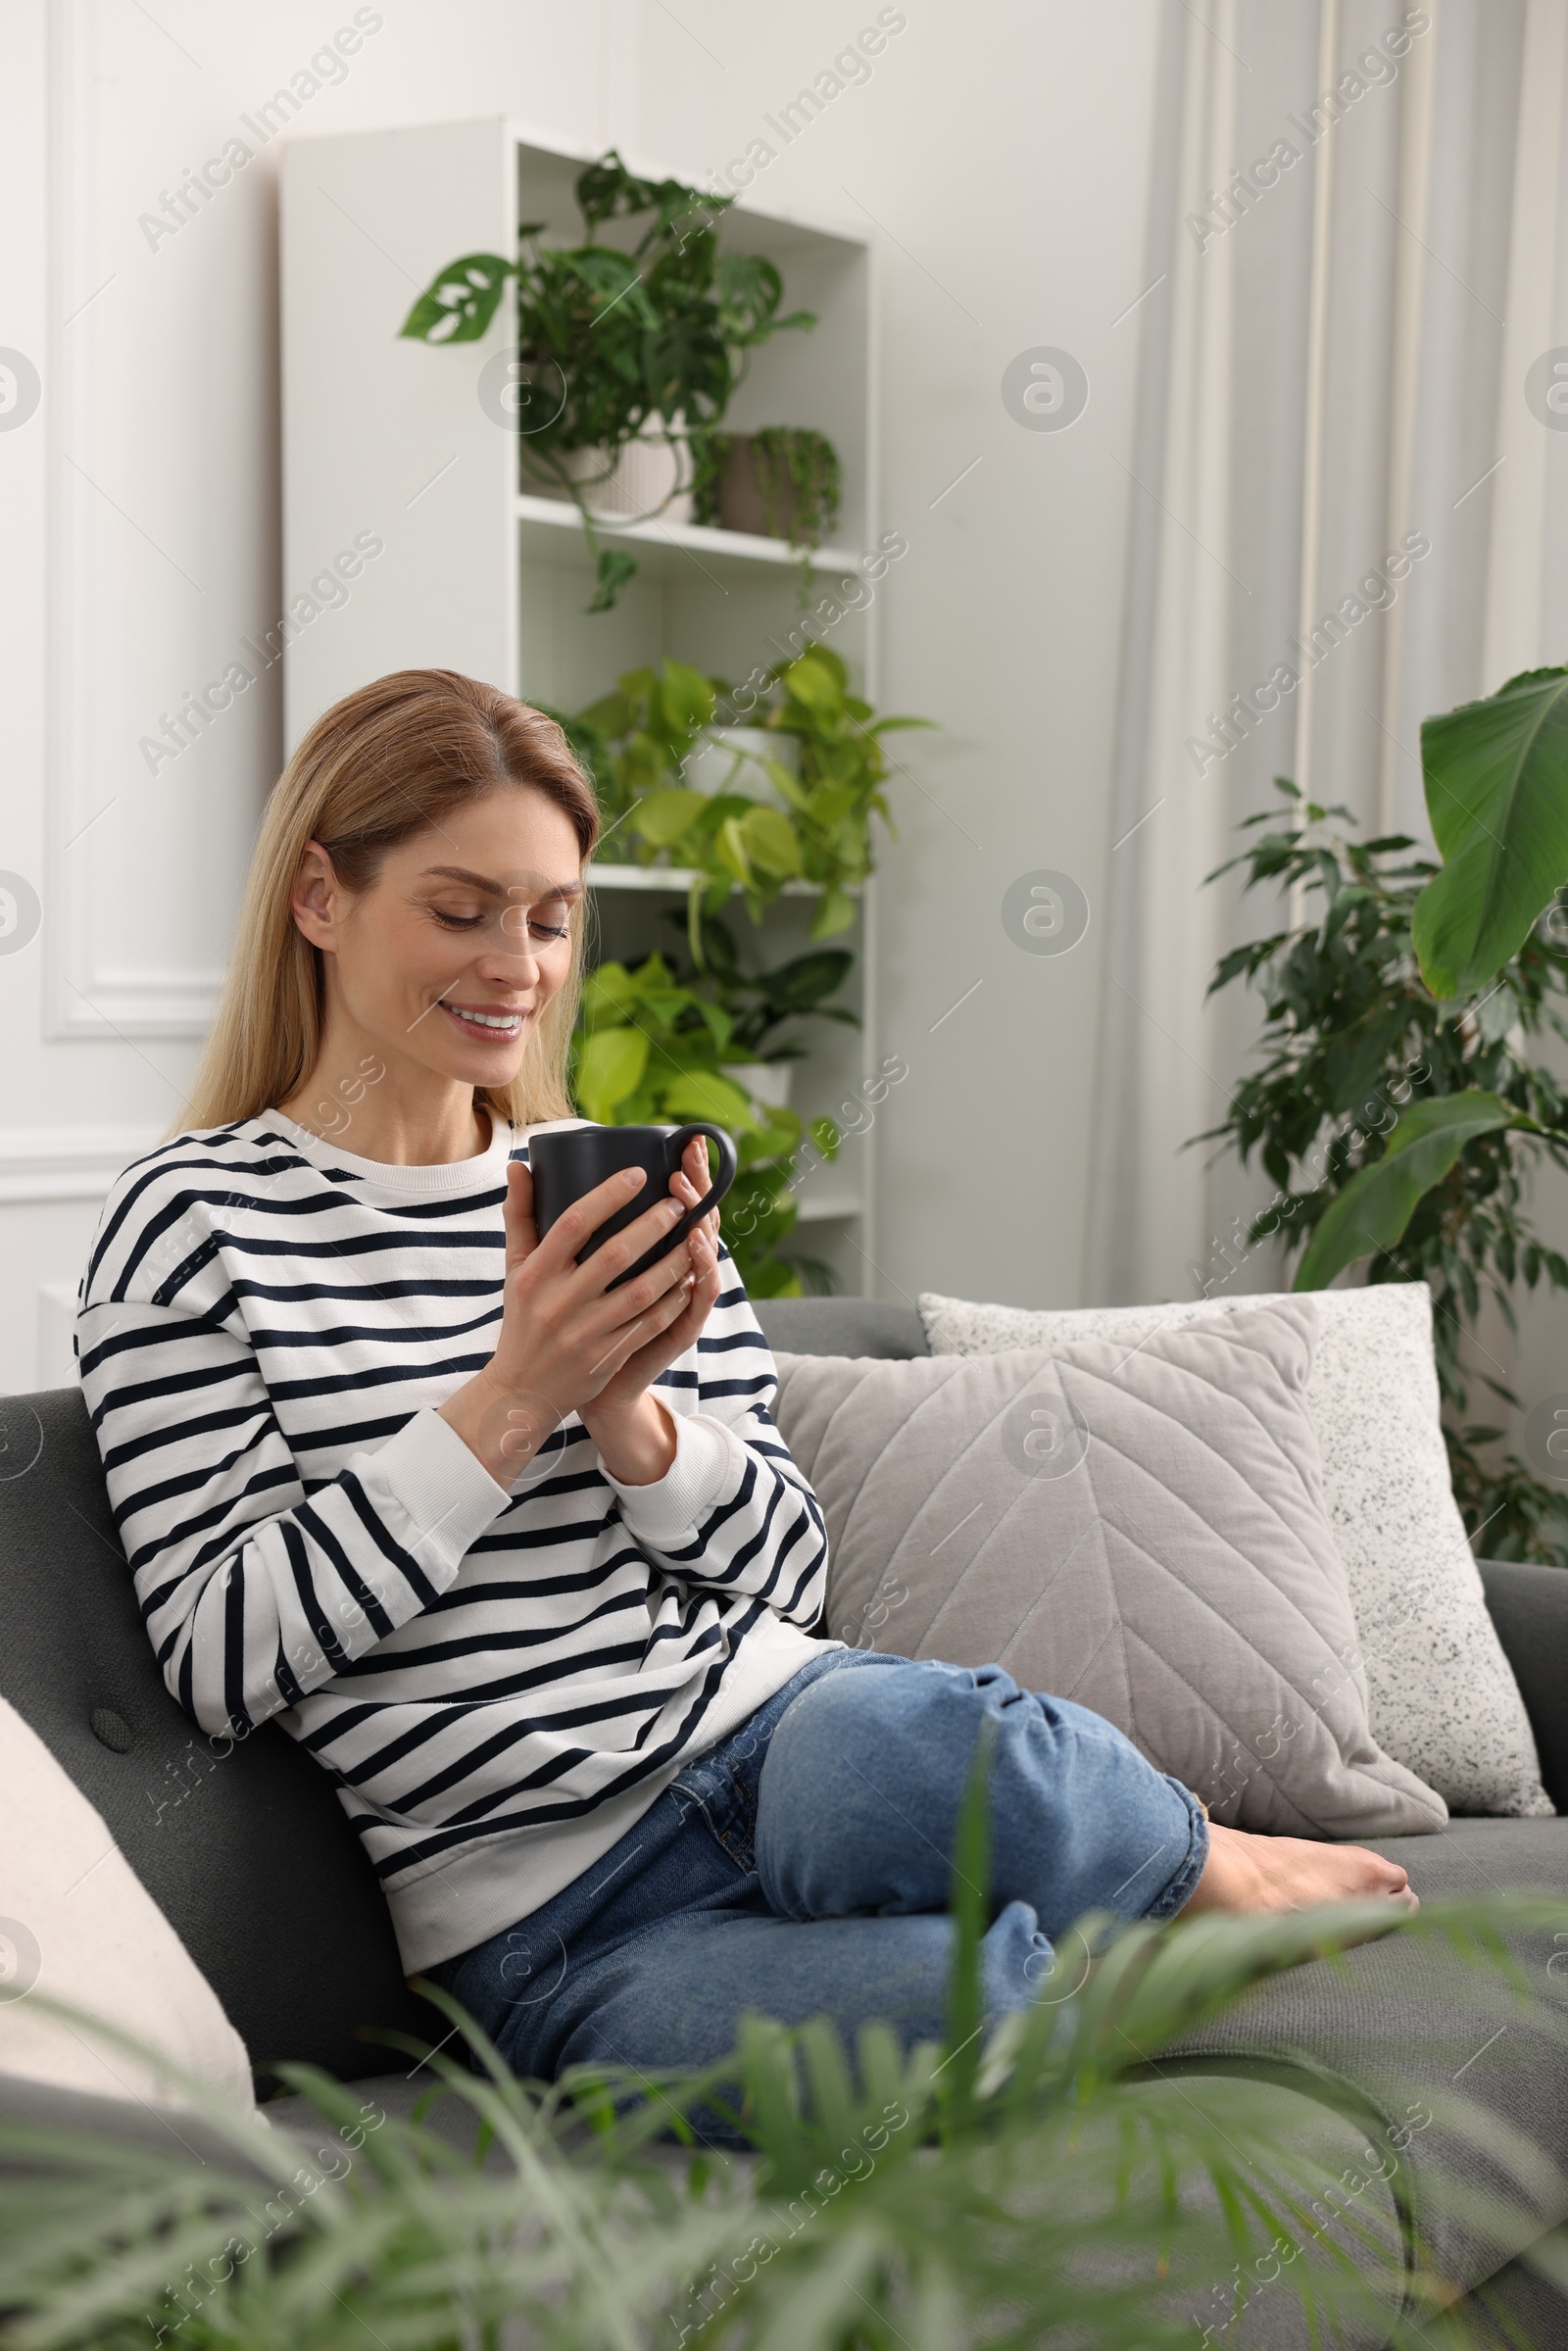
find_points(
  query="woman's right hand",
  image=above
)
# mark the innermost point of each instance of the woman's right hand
(564, 1333)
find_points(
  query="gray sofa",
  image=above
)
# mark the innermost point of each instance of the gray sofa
(254, 1864)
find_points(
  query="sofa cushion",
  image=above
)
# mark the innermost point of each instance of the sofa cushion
(35, 2113)
(1470, 2073)
(1442, 1697)
(244, 1847)
(1141, 1530)
(81, 1928)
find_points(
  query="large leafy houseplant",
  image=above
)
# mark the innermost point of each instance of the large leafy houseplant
(1058, 2178)
(639, 739)
(1400, 1125)
(618, 343)
(1497, 787)
(651, 1050)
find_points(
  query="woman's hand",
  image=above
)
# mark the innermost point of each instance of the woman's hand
(567, 1337)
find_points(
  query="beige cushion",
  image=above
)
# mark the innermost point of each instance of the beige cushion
(77, 1924)
(1141, 1529)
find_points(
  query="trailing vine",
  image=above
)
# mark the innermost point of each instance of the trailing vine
(795, 471)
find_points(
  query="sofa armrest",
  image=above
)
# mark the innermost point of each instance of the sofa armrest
(1529, 1606)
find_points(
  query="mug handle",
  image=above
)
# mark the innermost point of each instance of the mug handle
(675, 1145)
(728, 1163)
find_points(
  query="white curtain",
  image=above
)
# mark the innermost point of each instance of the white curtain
(1333, 372)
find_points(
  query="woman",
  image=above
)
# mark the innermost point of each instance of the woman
(519, 1557)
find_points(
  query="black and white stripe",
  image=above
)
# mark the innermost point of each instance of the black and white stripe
(497, 1684)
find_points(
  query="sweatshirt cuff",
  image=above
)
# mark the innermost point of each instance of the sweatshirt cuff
(447, 1496)
(673, 1504)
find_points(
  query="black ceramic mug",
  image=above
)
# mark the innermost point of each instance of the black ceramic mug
(568, 1161)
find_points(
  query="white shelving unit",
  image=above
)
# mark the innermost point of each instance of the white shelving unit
(481, 571)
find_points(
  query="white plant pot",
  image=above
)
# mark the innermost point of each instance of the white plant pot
(650, 479)
(766, 1082)
(729, 758)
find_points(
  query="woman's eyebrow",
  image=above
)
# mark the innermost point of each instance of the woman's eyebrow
(479, 881)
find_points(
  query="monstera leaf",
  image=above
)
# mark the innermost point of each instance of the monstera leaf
(457, 306)
(1496, 785)
(1376, 1205)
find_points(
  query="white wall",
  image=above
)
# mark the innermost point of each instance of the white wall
(1001, 159)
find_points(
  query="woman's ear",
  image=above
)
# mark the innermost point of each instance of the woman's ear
(315, 898)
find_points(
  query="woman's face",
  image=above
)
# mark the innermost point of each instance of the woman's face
(448, 959)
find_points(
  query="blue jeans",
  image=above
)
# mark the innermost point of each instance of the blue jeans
(802, 1868)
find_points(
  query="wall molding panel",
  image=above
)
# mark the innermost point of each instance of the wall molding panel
(61, 1164)
(90, 992)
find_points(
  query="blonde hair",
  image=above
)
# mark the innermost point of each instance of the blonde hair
(378, 767)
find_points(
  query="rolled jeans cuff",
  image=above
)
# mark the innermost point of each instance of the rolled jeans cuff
(1183, 1883)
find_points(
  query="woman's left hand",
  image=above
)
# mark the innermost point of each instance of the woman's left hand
(634, 1434)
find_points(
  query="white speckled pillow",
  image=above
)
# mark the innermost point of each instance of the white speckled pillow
(1443, 1700)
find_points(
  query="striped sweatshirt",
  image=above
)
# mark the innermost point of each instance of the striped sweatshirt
(499, 1683)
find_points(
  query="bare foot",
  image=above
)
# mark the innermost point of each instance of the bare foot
(1290, 1873)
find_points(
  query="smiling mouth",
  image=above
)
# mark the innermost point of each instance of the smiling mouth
(499, 1025)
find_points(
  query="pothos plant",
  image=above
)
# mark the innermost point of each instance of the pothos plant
(637, 741)
(652, 1050)
(1398, 1106)
(617, 343)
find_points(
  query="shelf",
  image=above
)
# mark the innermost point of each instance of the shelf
(828, 1205)
(679, 878)
(550, 530)
(489, 574)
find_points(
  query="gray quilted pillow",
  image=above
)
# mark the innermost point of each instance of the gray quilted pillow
(1141, 1529)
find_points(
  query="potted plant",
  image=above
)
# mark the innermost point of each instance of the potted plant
(628, 354)
(782, 481)
(757, 1003)
(825, 767)
(1065, 2176)
(1401, 1099)
(651, 1051)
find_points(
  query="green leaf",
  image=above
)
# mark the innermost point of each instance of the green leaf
(835, 911)
(702, 1093)
(614, 571)
(663, 817)
(1379, 1201)
(1496, 1013)
(800, 985)
(610, 1067)
(771, 841)
(1497, 786)
(729, 846)
(611, 990)
(687, 697)
(459, 304)
(812, 682)
(613, 715)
